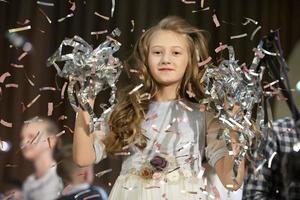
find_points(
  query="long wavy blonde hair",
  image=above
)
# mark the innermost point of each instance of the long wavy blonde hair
(126, 119)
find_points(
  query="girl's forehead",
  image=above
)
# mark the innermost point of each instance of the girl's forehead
(168, 38)
(33, 128)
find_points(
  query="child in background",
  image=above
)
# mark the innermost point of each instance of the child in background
(38, 143)
(167, 135)
(78, 180)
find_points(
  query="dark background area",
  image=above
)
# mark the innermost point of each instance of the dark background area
(45, 38)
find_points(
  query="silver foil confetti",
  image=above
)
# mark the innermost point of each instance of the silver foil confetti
(94, 70)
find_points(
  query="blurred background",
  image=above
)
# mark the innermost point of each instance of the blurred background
(29, 88)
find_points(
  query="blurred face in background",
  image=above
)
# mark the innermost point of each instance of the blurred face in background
(35, 141)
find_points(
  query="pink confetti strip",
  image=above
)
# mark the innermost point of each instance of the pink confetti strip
(5, 123)
(11, 85)
(216, 21)
(102, 16)
(238, 36)
(73, 5)
(47, 89)
(45, 15)
(33, 101)
(22, 56)
(16, 65)
(200, 64)
(50, 109)
(221, 47)
(62, 94)
(4, 76)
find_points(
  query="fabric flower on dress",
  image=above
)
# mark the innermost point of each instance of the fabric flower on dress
(159, 163)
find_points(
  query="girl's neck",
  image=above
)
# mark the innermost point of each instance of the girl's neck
(166, 93)
(43, 163)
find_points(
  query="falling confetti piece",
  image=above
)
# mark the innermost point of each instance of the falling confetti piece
(271, 159)
(4, 76)
(33, 101)
(47, 89)
(73, 5)
(60, 133)
(13, 30)
(102, 16)
(45, 15)
(254, 32)
(136, 88)
(44, 3)
(93, 196)
(16, 65)
(206, 61)
(152, 117)
(63, 18)
(152, 187)
(99, 174)
(50, 108)
(248, 20)
(30, 81)
(22, 56)
(238, 36)
(188, 2)
(132, 24)
(221, 47)
(35, 137)
(98, 32)
(65, 126)
(62, 117)
(113, 5)
(10, 165)
(81, 193)
(5, 123)
(185, 106)
(216, 21)
(62, 94)
(202, 3)
(11, 85)
(271, 84)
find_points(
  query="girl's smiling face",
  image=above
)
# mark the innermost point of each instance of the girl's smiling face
(168, 57)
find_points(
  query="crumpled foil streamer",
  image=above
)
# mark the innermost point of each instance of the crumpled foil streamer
(93, 70)
(232, 93)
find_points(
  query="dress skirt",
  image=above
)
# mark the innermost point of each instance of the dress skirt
(134, 187)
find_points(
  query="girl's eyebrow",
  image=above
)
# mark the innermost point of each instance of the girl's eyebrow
(163, 46)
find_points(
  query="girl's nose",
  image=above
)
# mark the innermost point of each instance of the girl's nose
(165, 59)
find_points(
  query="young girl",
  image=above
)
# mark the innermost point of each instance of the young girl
(167, 135)
(38, 142)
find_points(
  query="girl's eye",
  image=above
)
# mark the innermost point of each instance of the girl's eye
(157, 52)
(176, 53)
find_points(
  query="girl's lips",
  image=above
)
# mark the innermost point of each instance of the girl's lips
(166, 69)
